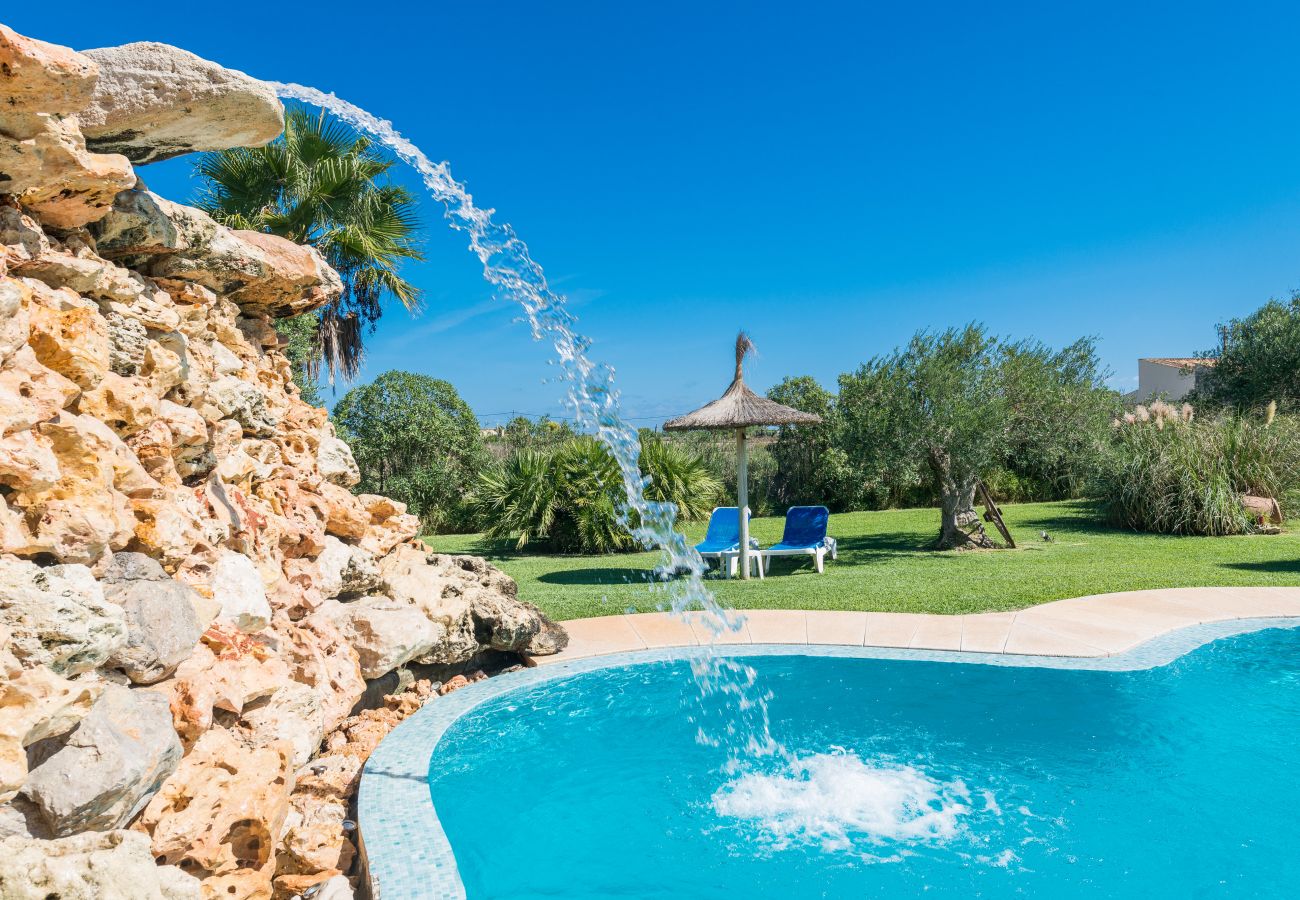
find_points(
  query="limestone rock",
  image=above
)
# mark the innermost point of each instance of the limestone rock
(153, 102)
(390, 523)
(386, 633)
(72, 342)
(14, 320)
(52, 173)
(260, 272)
(57, 616)
(110, 766)
(346, 570)
(219, 814)
(27, 462)
(31, 393)
(162, 618)
(35, 704)
(228, 671)
(335, 463)
(292, 714)
(127, 405)
(243, 402)
(345, 514)
(314, 839)
(21, 817)
(142, 224)
(238, 587)
(113, 865)
(40, 77)
(318, 655)
(127, 338)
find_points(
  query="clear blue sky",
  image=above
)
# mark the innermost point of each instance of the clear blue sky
(832, 177)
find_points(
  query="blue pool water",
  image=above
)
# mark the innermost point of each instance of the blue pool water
(902, 779)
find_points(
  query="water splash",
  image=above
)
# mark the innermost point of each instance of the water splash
(839, 802)
(731, 710)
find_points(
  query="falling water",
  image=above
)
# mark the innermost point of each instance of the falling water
(733, 711)
(731, 708)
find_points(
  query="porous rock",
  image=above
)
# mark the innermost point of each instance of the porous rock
(112, 865)
(153, 101)
(35, 704)
(218, 815)
(57, 616)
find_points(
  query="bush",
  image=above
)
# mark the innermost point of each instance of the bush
(417, 441)
(570, 497)
(717, 453)
(1258, 361)
(1171, 473)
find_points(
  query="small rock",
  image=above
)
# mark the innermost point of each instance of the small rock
(454, 684)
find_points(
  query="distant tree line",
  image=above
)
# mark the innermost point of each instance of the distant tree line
(923, 425)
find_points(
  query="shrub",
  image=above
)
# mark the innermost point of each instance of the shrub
(1171, 473)
(417, 441)
(1258, 361)
(570, 497)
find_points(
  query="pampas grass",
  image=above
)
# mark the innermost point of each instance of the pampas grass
(1172, 473)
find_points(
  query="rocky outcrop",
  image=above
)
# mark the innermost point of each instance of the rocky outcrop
(153, 102)
(192, 598)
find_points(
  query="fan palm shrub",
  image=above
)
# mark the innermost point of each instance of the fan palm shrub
(320, 183)
(569, 498)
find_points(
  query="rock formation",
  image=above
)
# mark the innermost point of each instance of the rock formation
(191, 595)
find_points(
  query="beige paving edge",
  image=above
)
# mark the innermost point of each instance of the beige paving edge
(1098, 625)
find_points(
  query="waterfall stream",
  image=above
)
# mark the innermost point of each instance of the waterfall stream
(731, 709)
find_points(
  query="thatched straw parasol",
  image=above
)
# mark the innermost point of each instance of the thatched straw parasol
(738, 409)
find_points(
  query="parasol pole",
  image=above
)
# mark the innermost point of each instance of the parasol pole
(742, 497)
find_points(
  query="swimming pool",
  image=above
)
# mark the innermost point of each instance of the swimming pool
(904, 778)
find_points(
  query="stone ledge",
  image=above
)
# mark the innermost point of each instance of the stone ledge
(1095, 626)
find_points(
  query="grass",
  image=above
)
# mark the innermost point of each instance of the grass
(883, 566)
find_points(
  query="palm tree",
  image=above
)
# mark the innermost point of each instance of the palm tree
(319, 184)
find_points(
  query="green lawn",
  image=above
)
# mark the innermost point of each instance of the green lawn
(881, 566)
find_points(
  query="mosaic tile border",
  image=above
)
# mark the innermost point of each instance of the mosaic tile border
(407, 853)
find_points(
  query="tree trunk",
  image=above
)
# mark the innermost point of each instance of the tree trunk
(957, 506)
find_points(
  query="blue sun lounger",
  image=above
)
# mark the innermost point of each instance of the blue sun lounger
(805, 535)
(722, 539)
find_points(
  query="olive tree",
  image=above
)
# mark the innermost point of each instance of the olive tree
(417, 441)
(948, 408)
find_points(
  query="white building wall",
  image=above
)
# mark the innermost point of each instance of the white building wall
(1157, 378)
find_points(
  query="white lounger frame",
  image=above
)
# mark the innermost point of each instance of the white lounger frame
(829, 547)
